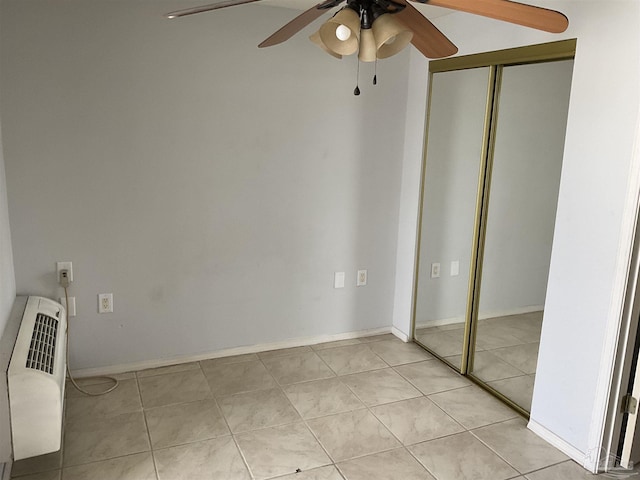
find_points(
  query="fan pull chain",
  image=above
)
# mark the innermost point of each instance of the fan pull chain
(375, 72)
(356, 91)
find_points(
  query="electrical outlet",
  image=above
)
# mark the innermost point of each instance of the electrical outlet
(435, 270)
(64, 266)
(361, 278)
(105, 303)
(71, 308)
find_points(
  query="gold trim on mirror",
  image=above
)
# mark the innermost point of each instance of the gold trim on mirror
(544, 52)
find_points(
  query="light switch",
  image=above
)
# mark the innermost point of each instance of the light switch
(455, 268)
(338, 280)
(435, 270)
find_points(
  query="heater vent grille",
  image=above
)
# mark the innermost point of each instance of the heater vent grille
(42, 349)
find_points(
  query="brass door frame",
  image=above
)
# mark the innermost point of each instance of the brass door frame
(496, 61)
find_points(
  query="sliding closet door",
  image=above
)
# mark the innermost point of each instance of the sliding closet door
(456, 117)
(520, 218)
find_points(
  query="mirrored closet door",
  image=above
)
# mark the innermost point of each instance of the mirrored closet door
(493, 158)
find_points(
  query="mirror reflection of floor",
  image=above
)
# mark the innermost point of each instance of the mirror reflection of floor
(506, 351)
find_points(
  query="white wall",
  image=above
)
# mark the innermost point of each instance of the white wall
(591, 239)
(212, 187)
(7, 277)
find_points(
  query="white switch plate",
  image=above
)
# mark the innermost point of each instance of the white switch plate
(64, 266)
(71, 308)
(361, 279)
(338, 280)
(105, 303)
(435, 270)
(455, 268)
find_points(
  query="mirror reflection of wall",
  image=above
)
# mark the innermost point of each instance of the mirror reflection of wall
(457, 111)
(525, 178)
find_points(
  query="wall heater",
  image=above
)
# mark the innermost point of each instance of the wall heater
(35, 379)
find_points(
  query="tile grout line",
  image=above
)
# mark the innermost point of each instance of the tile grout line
(146, 424)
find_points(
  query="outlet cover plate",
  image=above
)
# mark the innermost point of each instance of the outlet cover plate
(105, 303)
(64, 266)
(361, 278)
(71, 308)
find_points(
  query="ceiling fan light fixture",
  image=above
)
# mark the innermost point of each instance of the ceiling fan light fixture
(368, 51)
(315, 38)
(391, 35)
(333, 31)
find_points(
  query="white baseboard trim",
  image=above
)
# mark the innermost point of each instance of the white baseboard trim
(262, 347)
(483, 316)
(569, 450)
(400, 334)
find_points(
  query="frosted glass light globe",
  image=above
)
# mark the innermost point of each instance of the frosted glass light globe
(343, 32)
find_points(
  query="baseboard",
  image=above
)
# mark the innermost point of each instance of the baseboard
(569, 450)
(484, 316)
(400, 334)
(262, 347)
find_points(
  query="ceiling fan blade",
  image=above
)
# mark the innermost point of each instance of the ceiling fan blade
(431, 42)
(508, 11)
(298, 23)
(207, 8)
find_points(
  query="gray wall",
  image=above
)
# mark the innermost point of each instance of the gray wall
(7, 278)
(212, 187)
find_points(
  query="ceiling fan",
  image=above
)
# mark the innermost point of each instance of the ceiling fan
(382, 28)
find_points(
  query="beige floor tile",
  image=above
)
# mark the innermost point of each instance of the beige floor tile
(523, 357)
(383, 466)
(518, 389)
(496, 337)
(259, 409)
(322, 397)
(472, 407)
(432, 376)
(297, 367)
(52, 475)
(185, 422)
(488, 367)
(41, 463)
(564, 471)
(323, 473)
(227, 379)
(281, 450)
(246, 357)
(461, 457)
(283, 351)
(522, 448)
(217, 459)
(124, 399)
(105, 438)
(445, 343)
(397, 352)
(416, 420)
(380, 386)
(337, 343)
(352, 434)
(351, 359)
(131, 467)
(181, 367)
(378, 338)
(171, 388)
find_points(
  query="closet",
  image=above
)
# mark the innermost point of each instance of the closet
(493, 157)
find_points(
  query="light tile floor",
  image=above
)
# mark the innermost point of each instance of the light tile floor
(368, 409)
(506, 352)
